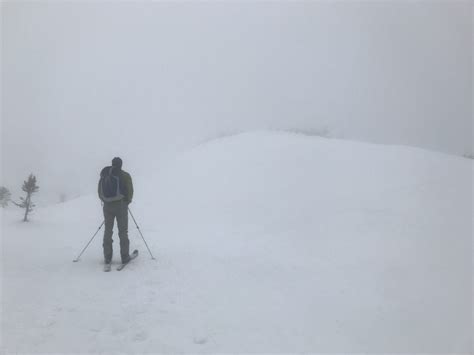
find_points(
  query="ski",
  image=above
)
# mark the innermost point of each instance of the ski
(132, 256)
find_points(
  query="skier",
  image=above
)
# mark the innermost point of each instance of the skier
(116, 192)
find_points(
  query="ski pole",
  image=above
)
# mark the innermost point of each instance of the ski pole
(136, 224)
(83, 250)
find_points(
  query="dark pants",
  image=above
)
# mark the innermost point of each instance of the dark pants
(113, 210)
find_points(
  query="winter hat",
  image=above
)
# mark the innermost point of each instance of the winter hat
(117, 162)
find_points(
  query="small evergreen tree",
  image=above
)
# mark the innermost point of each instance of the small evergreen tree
(29, 187)
(5, 196)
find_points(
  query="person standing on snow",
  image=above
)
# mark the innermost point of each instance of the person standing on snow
(116, 192)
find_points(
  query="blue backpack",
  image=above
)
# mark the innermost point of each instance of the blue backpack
(109, 185)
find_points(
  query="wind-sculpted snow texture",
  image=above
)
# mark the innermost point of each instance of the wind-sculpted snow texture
(265, 242)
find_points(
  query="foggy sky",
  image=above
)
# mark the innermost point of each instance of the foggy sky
(84, 82)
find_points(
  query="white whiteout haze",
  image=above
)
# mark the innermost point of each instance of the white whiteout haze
(298, 169)
(295, 244)
(83, 82)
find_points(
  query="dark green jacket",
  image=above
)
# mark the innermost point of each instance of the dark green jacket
(126, 186)
(126, 180)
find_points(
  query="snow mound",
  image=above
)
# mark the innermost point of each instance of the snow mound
(266, 242)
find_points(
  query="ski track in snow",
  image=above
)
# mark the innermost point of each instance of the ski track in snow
(264, 243)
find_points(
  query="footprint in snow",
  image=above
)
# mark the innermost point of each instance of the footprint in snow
(142, 336)
(49, 323)
(117, 330)
(200, 340)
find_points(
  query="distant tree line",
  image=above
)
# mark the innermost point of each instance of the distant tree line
(5, 196)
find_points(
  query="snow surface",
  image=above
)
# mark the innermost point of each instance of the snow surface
(265, 242)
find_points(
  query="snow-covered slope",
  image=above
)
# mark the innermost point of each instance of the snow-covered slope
(265, 242)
